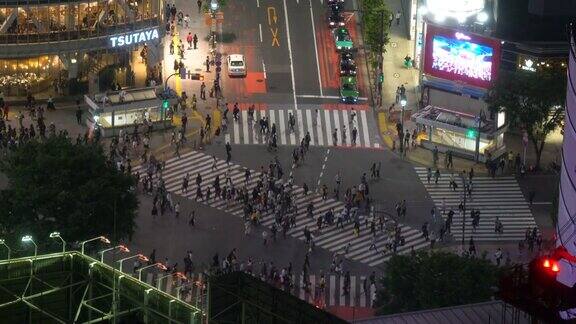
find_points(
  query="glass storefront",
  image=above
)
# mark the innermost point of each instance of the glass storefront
(17, 76)
(457, 140)
(31, 22)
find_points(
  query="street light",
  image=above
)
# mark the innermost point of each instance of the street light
(177, 274)
(28, 239)
(140, 256)
(121, 247)
(2, 242)
(101, 238)
(157, 265)
(214, 5)
(57, 235)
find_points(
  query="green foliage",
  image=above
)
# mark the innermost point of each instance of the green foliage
(375, 17)
(434, 279)
(55, 185)
(534, 101)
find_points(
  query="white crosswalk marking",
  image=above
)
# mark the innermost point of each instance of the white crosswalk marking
(301, 131)
(339, 130)
(320, 127)
(495, 198)
(364, 128)
(245, 129)
(328, 128)
(292, 135)
(319, 132)
(331, 238)
(333, 293)
(309, 123)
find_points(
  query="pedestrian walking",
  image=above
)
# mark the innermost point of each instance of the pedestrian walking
(195, 41)
(203, 91)
(199, 3)
(207, 63)
(429, 175)
(177, 209)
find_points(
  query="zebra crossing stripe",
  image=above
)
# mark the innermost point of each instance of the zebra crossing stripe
(328, 128)
(338, 129)
(346, 129)
(499, 198)
(310, 130)
(365, 128)
(319, 128)
(245, 129)
(332, 290)
(292, 135)
(301, 130)
(331, 238)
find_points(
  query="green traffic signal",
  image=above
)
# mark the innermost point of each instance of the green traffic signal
(165, 104)
(471, 133)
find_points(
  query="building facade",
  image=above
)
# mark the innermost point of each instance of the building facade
(59, 47)
(566, 226)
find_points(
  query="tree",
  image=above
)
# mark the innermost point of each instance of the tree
(434, 279)
(533, 101)
(375, 17)
(55, 185)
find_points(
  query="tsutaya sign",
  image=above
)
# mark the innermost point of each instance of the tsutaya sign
(134, 38)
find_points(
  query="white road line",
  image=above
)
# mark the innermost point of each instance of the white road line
(280, 126)
(326, 97)
(290, 53)
(346, 123)
(362, 301)
(316, 49)
(365, 128)
(258, 3)
(264, 69)
(352, 291)
(332, 290)
(328, 128)
(342, 298)
(227, 138)
(245, 127)
(319, 129)
(260, 29)
(299, 119)
(337, 127)
(236, 126)
(309, 125)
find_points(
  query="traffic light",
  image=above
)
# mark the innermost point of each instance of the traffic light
(381, 78)
(165, 104)
(550, 265)
(471, 133)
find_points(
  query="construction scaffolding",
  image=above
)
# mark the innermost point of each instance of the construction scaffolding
(74, 288)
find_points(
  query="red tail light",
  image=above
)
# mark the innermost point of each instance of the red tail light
(546, 263)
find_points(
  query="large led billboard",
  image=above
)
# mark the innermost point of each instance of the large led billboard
(459, 56)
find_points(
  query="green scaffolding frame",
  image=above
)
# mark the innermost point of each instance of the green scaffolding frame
(74, 288)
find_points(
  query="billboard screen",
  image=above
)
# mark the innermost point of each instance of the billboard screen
(458, 56)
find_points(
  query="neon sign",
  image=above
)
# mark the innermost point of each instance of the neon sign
(134, 38)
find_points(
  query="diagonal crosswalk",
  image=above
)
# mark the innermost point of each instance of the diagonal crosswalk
(331, 238)
(319, 124)
(499, 197)
(331, 293)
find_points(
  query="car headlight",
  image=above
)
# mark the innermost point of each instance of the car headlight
(331, 23)
(355, 99)
(342, 71)
(341, 23)
(339, 47)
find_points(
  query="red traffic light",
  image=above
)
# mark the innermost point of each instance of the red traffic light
(555, 267)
